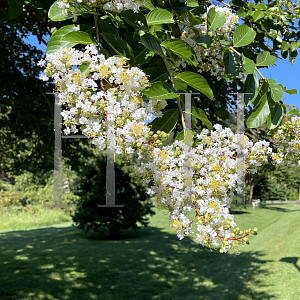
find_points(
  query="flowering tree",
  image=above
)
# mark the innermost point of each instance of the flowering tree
(138, 56)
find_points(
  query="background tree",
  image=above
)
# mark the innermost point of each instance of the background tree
(131, 191)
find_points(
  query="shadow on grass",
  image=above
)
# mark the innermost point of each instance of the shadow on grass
(291, 260)
(281, 209)
(63, 263)
(238, 212)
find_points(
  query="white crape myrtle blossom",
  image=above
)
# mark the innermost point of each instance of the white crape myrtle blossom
(110, 86)
(288, 140)
(73, 6)
(210, 59)
(213, 184)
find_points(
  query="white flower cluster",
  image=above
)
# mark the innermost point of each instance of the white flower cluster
(214, 176)
(73, 6)
(287, 138)
(111, 88)
(210, 59)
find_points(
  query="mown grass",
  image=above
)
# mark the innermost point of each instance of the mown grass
(61, 262)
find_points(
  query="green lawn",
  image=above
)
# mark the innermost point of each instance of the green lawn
(60, 262)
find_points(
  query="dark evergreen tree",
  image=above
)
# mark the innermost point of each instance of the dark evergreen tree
(131, 191)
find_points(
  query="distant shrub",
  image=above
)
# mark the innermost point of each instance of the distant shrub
(130, 191)
(10, 198)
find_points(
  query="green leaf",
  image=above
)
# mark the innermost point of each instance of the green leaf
(276, 90)
(200, 114)
(55, 13)
(264, 58)
(180, 136)
(151, 42)
(294, 112)
(192, 3)
(148, 4)
(259, 114)
(159, 16)
(85, 70)
(143, 57)
(215, 20)
(15, 8)
(107, 28)
(160, 91)
(197, 82)
(79, 37)
(292, 55)
(182, 49)
(274, 119)
(136, 20)
(205, 40)
(165, 123)
(243, 36)
(250, 87)
(156, 74)
(248, 65)
(284, 46)
(118, 45)
(56, 41)
(232, 62)
(258, 15)
(180, 85)
(226, 43)
(290, 92)
(263, 89)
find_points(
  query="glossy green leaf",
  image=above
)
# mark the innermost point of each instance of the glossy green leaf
(258, 15)
(148, 4)
(294, 112)
(160, 91)
(197, 82)
(231, 62)
(259, 114)
(274, 119)
(293, 53)
(85, 70)
(250, 87)
(118, 45)
(276, 90)
(243, 36)
(156, 74)
(55, 13)
(79, 37)
(180, 85)
(56, 41)
(180, 136)
(15, 8)
(143, 57)
(136, 20)
(205, 41)
(264, 58)
(248, 65)
(192, 3)
(200, 114)
(290, 92)
(159, 16)
(166, 122)
(151, 42)
(105, 27)
(263, 89)
(182, 49)
(215, 20)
